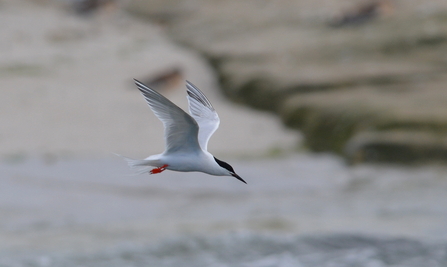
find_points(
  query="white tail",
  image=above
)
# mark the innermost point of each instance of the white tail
(139, 166)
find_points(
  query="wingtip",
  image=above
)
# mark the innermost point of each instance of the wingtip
(190, 85)
(137, 82)
(144, 89)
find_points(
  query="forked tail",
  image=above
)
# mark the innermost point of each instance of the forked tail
(139, 166)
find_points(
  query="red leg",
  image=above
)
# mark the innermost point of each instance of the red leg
(159, 169)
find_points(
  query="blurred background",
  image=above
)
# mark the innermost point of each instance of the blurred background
(334, 112)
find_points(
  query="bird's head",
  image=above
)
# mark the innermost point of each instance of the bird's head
(230, 171)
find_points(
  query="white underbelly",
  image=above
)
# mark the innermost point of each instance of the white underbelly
(191, 163)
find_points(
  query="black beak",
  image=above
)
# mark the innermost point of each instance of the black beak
(238, 177)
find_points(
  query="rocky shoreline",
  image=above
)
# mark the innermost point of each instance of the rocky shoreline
(371, 91)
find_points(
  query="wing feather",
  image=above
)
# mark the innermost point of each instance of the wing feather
(203, 113)
(181, 130)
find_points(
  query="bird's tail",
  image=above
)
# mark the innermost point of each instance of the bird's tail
(139, 166)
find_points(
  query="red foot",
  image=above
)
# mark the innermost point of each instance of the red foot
(159, 169)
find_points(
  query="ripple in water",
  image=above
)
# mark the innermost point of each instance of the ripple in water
(252, 250)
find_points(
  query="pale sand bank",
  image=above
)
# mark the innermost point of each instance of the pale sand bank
(66, 88)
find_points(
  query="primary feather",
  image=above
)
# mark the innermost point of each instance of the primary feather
(204, 114)
(181, 130)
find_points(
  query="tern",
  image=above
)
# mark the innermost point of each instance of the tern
(186, 135)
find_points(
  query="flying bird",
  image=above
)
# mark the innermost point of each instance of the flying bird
(186, 135)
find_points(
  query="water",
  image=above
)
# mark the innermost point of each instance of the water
(254, 250)
(299, 210)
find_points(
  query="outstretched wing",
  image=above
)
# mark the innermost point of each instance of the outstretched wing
(181, 130)
(203, 112)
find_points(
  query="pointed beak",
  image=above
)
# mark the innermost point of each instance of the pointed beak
(238, 177)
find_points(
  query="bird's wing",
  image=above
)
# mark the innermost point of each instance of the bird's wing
(181, 130)
(203, 112)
